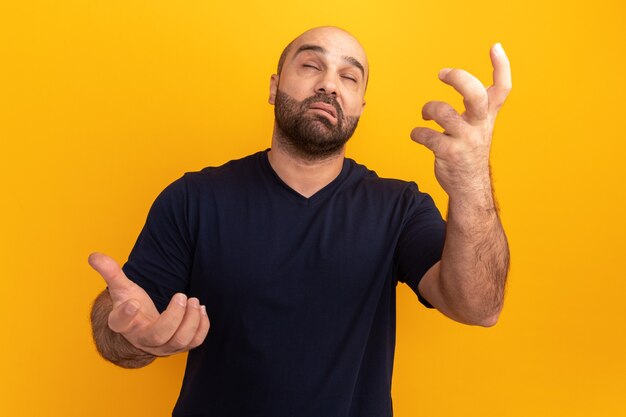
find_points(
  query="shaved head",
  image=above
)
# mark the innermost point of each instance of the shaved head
(328, 31)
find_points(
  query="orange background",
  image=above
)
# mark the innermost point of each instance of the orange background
(102, 104)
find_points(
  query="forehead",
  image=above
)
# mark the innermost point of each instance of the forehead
(336, 42)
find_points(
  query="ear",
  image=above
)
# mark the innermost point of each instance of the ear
(362, 107)
(273, 88)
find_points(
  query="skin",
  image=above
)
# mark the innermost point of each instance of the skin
(128, 329)
(468, 283)
(308, 73)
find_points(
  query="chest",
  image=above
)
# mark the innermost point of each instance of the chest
(289, 255)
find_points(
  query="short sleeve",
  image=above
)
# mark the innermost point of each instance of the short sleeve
(160, 261)
(421, 240)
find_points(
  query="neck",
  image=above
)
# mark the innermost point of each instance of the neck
(304, 175)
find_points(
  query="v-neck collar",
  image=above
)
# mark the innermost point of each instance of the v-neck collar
(295, 196)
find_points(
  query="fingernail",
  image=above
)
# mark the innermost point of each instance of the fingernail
(181, 299)
(131, 308)
(203, 310)
(443, 72)
(498, 49)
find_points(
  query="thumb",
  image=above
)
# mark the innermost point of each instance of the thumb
(109, 270)
(428, 137)
(121, 317)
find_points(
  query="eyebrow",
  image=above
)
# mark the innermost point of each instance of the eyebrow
(316, 48)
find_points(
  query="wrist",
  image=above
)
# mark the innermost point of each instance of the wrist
(123, 353)
(473, 196)
(468, 180)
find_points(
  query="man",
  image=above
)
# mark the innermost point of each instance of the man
(294, 253)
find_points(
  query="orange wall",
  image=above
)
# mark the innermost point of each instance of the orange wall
(103, 103)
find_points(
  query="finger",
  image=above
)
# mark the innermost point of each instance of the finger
(430, 138)
(188, 327)
(203, 329)
(502, 83)
(122, 317)
(162, 330)
(111, 272)
(445, 116)
(474, 94)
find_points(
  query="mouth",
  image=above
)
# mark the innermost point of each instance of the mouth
(325, 109)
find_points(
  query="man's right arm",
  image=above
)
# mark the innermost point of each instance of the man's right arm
(127, 327)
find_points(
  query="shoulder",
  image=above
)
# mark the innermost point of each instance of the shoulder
(231, 170)
(367, 180)
(197, 186)
(201, 183)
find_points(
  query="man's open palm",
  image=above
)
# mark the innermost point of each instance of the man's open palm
(462, 150)
(181, 327)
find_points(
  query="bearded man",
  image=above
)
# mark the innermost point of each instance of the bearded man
(295, 252)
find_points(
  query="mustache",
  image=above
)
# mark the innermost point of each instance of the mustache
(324, 98)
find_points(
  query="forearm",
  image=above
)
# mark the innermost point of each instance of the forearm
(468, 283)
(475, 259)
(113, 346)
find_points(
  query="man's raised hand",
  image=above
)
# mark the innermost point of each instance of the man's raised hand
(462, 150)
(181, 327)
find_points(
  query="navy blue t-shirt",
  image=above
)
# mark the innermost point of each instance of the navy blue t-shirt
(300, 292)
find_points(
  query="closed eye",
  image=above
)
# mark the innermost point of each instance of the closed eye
(349, 77)
(310, 66)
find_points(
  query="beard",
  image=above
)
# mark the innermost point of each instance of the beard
(311, 136)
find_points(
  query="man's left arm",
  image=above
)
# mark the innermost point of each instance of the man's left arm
(468, 283)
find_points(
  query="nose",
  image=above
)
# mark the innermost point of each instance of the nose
(326, 85)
